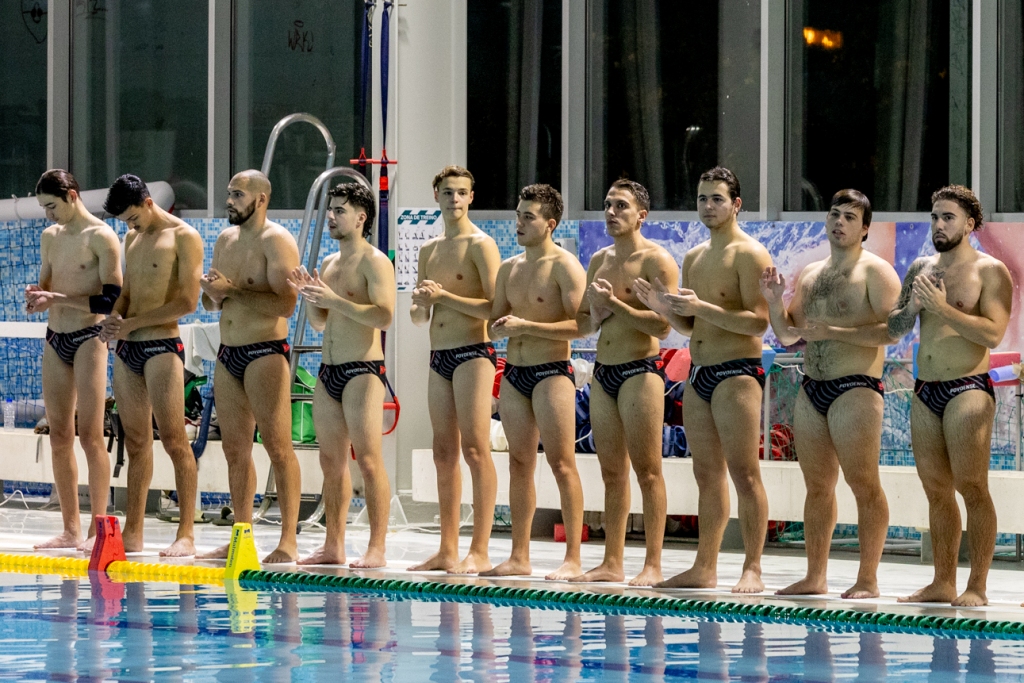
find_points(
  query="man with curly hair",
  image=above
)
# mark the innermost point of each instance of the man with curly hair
(963, 299)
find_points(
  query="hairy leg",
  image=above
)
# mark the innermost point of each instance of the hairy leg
(363, 400)
(91, 388)
(165, 376)
(268, 387)
(932, 462)
(554, 408)
(472, 384)
(237, 427)
(332, 434)
(523, 438)
(609, 437)
(59, 395)
(136, 415)
(641, 406)
(855, 422)
(446, 443)
(967, 426)
(709, 469)
(820, 468)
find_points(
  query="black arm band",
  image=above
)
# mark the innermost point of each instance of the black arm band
(104, 303)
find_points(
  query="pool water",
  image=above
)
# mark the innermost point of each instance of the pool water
(93, 630)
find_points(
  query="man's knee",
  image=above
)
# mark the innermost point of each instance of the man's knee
(476, 454)
(237, 455)
(563, 469)
(333, 466)
(138, 441)
(747, 480)
(649, 479)
(865, 486)
(975, 492)
(615, 475)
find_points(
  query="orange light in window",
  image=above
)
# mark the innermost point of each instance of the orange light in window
(829, 40)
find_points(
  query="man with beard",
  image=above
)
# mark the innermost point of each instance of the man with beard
(840, 306)
(536, 299)
(248, 283)
(163, 263)
(721, 309)
(627, 394)
(963, 298)
(79, 281)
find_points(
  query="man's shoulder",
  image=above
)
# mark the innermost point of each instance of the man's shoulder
(276, 231)
(480, 239)
(875, 264)
(990, 265)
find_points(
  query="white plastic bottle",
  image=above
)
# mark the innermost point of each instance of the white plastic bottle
(9, 415)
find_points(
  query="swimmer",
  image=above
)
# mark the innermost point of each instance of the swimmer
(963, 298)
(536, 299)
(353, 300)
(627, 395)
(163, 262)
(248, 284)
(721, 309)
(456, 287)
(840, 306)
(79, 280)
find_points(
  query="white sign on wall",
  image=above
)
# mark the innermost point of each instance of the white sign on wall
(415, 227)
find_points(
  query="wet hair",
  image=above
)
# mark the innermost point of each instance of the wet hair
(720, 174)
(967, 200)
(357, 196)
(126, 192)
(639, 192)
(57, 182)
(548, 197)
(453, 172)
(851, 197)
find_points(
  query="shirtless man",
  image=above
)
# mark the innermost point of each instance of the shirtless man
(721, 309)
(354, 300)
(627, 394)
(963, 298)
(456, 286)
(536, 299)
(163, 262)
(840, 306)
(79, 280)
(248, 283)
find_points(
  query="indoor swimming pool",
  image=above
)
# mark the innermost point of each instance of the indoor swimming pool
(91, 629)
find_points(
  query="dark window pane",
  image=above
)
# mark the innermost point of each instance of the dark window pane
(878, 99)
(22, 96)
(138, 94)
(514, 98)
(1011, 106)
(673, 88)
(296, 56)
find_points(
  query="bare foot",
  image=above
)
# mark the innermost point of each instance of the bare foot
(566, 572)
(649, 576)
(750, 582)
(692, 578)
(602, 572)
(373, 559)
(65, 540)
(805, 586)
(861, 590)
(435, 562)
(220, 553)
(183, 547)
(87, 545)
(280, 556)
(473, 564)
(324, 556)
(510, 567)
(133, 543)
(971, 598)
(933, 592)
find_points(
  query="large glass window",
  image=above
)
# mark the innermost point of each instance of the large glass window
(1010, 197)
(673, 88)
(138, 94)
(296, 56)
(514, 97)
(878, 98)
(22, 96)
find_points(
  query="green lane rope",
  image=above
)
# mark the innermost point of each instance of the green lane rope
(833, 619)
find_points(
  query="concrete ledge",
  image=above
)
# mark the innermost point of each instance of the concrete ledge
(783, 481)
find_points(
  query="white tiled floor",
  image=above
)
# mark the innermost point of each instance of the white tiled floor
(20, 529)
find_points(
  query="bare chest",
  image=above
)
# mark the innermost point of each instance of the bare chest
(713, 277)
(71, 257)
(622, 274)
(963, 286)
(151, 257)
(344, 278)
(834, 294)
(533, 287)
(451, 266)
(244, 263)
